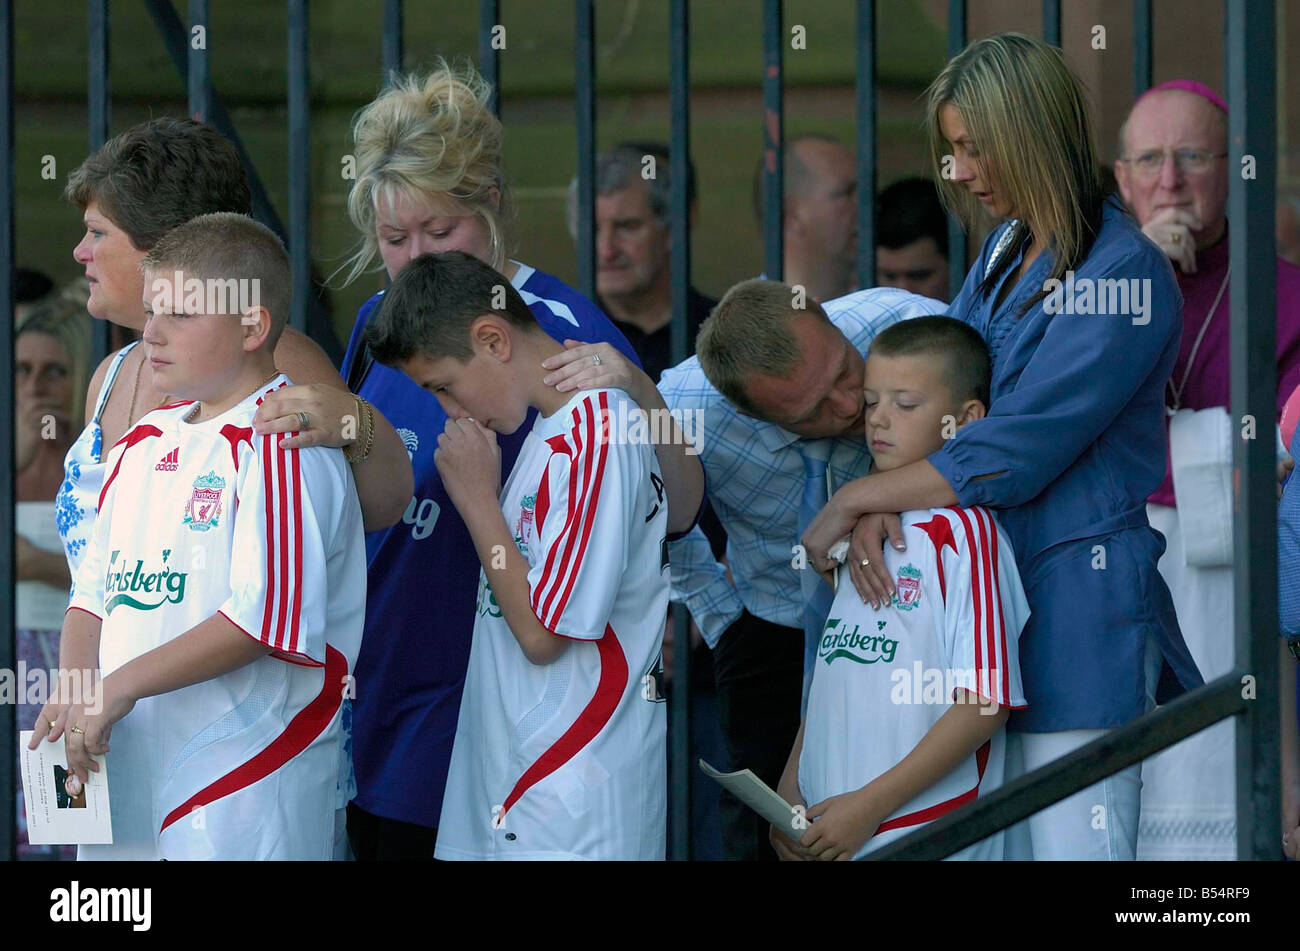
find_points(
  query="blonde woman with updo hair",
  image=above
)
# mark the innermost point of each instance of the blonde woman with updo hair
(430, 179)
(1073, 443)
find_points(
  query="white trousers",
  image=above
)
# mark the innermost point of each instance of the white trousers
(1099, 823)
(1189, 797)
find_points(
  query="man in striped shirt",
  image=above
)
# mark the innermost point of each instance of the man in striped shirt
(909, 699)
(777, 380)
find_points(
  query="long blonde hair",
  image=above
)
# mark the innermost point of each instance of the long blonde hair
(428, 137)
(1028, 115)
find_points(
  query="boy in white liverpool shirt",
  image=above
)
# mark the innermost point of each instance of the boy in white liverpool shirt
(559, 749)
(906, 713)
(223, 589)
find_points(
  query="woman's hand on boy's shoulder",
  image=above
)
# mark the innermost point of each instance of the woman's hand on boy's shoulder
(331, 413)
(469, 462)
(593, 366)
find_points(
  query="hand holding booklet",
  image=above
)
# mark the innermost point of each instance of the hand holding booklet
(61, 810)
(760, 797)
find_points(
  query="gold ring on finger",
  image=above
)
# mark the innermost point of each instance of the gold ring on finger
(1176, 238)
(77, 729)
(51, 723)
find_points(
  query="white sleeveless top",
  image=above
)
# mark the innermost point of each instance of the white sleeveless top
(83, 476)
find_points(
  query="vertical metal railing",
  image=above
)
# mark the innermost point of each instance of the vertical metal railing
(865, 92)
(584, 35)
(489, 58)
(773, 142)
(391, 45)
(99, 107)
(8, 646)
(679, 103)
(956, 232)
(199, 81)
(1250, 47)
(1052, 22)
(299, 164)
(1251, 89)
(1141, 47)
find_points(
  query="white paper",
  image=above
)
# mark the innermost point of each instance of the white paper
(54, 817)
(760, 797)
(37, 605)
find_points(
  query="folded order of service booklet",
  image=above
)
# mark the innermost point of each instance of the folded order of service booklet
(61, 810)
(762, 798)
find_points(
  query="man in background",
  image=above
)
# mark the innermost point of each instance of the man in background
(912, 239)
(820, 215)
(633, 237)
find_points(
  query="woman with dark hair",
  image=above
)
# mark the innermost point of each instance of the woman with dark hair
(132, 191)
(1072, 444)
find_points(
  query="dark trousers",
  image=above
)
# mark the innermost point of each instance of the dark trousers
(376, 839)
(758, 667)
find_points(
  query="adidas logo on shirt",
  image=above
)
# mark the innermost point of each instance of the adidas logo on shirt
(169, 462)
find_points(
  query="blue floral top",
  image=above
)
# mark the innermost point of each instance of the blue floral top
(83, 476)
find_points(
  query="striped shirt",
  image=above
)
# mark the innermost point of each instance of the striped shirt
(567, 759)
(203, 518)
(755, 481)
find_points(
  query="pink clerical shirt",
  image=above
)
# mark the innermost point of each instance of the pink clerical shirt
(1208, 383)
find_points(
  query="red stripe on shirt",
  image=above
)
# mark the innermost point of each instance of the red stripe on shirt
(999, 613)
(592, 719)
(272, 581)
(235, 435)
(580, 462)
(543, 499)
(1001, 689)
(282, 550)
(972, 557)
(296, 490)
(579, 482)
(990, 622)
(310, 722)
(939, 529)
(948, 805)
(558, 445)
(138, 434)
(591, 500)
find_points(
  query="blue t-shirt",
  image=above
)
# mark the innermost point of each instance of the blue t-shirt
(422, 579)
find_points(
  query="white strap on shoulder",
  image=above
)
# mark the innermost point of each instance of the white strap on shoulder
(110, 377)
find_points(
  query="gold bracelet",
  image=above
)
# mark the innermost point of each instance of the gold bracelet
(366, 413)
(349, 452)
(370, 427)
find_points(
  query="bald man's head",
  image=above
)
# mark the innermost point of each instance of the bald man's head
(1165, 124)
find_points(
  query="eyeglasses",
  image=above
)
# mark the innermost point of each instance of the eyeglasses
(1191, 161)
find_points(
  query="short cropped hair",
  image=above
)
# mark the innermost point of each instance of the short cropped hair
(228, 248)
(909, 210)
(749, 333)
(968, 369)
(159, 174)
(798, 176)
(621, 167)
(432, 303)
